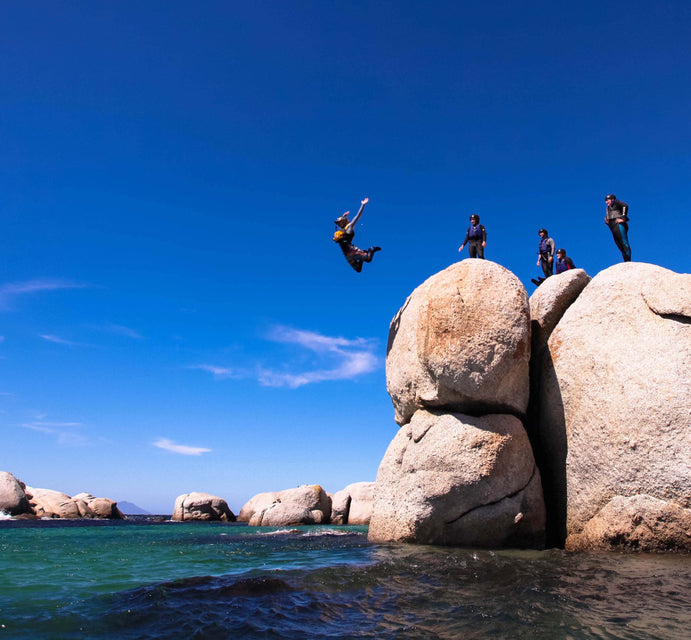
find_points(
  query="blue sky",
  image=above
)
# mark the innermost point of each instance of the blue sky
(173, 314)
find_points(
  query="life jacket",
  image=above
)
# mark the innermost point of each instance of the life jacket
(340, 236)
(475, 231)
(544, 246)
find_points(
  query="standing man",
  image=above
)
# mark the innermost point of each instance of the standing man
(545, 252)
(475, 238)
(617, 219)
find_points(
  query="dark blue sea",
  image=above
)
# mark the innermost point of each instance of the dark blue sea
(148, 579)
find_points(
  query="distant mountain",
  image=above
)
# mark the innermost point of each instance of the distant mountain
(131, 509)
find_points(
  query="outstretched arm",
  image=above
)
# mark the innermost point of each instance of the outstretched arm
(353, 222)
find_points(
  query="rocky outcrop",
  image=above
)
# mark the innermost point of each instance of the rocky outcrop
(461, 341)
(615, 402)
(453, 479)
(201, 506)
(259, 502)
(353, 504)
(13, 500)
(47, 503)
(461, 470)
(308, 504)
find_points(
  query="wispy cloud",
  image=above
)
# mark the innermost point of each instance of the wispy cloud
(168, 445)
(57, 340)
(11, 289)
(348, 358)
(63, 431)
(218, 372)
(119, 330)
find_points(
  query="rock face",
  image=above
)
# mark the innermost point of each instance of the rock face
(353, 505)
(13, 500)
(201, 506)
(638, 523)
(461, 341)
(615, 398)
(453, 479)
(308, 504)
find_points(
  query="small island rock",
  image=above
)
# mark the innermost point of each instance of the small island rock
(201, 506)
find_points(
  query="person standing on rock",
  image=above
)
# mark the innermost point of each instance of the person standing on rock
(475, 238)
(563, 263)
(344, 237)
(617, 219)
(545, 252)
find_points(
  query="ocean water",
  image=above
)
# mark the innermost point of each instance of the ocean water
(144, 579)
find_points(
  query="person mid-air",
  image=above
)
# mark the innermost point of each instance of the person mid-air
(344, 237)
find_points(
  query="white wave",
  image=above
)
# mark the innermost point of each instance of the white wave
(280, 532)
(5, 516)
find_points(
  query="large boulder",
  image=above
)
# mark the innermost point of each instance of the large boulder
(259, 502)
(308, 504)
(100, 507)
(353, 505)
(616, 394)
(13, 499)
(47, 503)
(454, 479)
(551, 299)
(461, 341)
(201, 506)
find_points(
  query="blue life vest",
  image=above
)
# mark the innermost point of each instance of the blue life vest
(475, 232)
(544, 247)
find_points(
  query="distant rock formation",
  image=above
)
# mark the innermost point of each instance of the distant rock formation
(461, 470)
(308, 504)
(353, 504)
(17, 499)
(201, 506)
(614, 401)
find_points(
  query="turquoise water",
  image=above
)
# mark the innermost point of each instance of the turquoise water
(204, 580)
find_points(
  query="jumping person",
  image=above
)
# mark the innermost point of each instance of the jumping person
(617, 219)
(545, 252)
(344, 237)
(563, 263)
(475, 238)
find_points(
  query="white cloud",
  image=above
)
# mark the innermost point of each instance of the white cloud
(168, 445)
(11, 289)
(219, 372)
(61, 430)
(57, 340)
(349, 358)
(120, 330)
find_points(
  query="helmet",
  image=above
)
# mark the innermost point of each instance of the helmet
(610, 196)
(343, 218)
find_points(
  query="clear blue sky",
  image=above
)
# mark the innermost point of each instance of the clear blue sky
(174, 316)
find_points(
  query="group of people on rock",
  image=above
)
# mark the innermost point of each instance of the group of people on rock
(616, 218)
